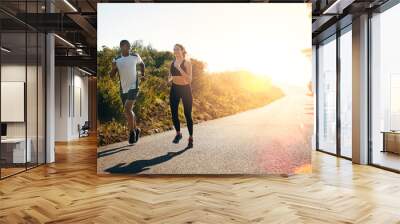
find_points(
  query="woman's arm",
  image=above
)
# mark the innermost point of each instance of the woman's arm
(169, 77)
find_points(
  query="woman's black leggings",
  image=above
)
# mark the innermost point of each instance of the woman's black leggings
(185, 92)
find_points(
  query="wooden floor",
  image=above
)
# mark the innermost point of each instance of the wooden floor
(387, 159)
(69, 191)
(8, 171)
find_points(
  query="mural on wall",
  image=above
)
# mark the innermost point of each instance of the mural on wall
(184, 93)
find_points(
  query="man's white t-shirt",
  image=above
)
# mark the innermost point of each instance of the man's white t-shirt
(127, 70)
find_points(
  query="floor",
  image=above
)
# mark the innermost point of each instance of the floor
(386, 159)
(10, 171)
(250, 142)
(70, 191)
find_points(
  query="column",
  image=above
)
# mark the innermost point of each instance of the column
(360, 90)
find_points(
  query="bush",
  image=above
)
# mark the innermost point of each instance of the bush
(214, 95)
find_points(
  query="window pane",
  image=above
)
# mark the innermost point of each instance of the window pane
(346, 94)
(41, 98)
(327, 97)
(13, 84)
(31, 97)
(386, 88)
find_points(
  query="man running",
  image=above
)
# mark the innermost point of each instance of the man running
(125, 64)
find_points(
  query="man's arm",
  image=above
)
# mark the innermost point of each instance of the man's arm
(114, 70)
(140, 63)
(141, 67)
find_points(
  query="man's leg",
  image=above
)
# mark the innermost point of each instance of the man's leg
(130, 115)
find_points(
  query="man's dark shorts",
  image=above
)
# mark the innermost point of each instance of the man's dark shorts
(132, 94)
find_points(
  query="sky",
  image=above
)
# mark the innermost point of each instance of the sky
(266, 39)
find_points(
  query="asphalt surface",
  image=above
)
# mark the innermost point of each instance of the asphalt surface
(274, 139)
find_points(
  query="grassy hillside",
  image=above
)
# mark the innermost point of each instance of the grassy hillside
(214, 95)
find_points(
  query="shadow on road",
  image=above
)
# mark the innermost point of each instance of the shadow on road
(112, 151)
(142, 165)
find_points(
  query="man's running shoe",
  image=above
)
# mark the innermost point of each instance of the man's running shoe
(132, 137)
(137, 134)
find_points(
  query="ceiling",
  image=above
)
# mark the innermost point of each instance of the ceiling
(332, 15)
(75, 22)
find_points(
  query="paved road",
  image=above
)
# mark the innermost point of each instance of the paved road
(274, 139)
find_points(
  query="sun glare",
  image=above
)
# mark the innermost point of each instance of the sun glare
(267, 40)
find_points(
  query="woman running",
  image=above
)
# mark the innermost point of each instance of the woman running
(181, 76)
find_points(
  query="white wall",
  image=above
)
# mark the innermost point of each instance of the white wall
(79, 117)
(70, 83)
(61, 103)
(33, 127)
(13, 73)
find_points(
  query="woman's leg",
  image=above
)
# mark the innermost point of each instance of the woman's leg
(187, 100)
(174, 104)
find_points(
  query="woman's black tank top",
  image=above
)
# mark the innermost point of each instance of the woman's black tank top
(174, 71)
